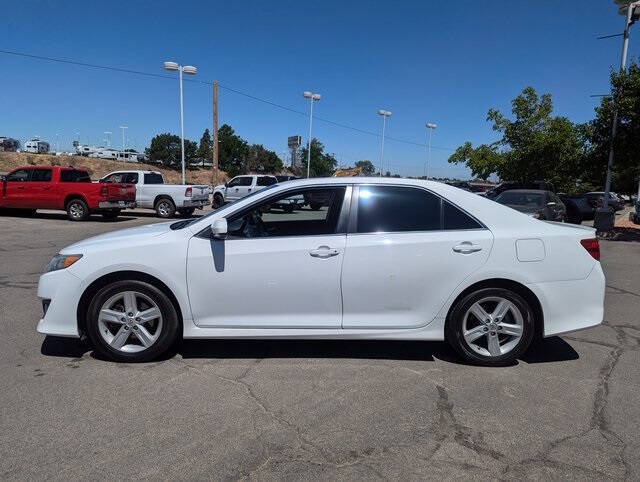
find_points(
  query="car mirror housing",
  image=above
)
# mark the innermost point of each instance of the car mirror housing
(219, 228)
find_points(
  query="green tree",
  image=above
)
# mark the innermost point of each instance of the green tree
(625, 88)
(534, 146)
(167, 148)
(322, 164)
(233, 150)
(261, 160)
(368, 169)
(206, 146)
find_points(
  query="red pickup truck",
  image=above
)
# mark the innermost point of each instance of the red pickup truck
(65, 188)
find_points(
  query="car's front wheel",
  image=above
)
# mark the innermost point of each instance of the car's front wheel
(131, 321)
(491, 326)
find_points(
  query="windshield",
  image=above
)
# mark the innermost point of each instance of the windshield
(188, 222)
(521, 199)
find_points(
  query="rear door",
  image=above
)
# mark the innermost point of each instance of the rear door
(238, 187)
(41, 194)
(407, 250)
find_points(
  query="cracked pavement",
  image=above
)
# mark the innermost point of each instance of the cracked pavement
(290, 410)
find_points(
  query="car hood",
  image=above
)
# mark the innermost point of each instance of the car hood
(124, 236)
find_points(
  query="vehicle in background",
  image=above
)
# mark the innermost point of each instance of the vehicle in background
(200, 162)
(597, 197)
(579, 208)
(165, 199)
(239, 187)
(83, 149)
(464, 185)
(536, 203)
(64, 188)
(382, 259)
(283, 178)
(7, 144)
(508, 186)
(115, 155)
(36, 146)
(634, 216)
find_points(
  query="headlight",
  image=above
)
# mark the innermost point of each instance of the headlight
(61, 261)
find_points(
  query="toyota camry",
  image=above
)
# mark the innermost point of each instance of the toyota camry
(366, 258)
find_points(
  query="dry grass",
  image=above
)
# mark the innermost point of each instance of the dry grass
(97, 168)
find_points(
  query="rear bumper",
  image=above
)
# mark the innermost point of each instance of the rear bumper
(194, 203)
(117, 205)
(572, 305)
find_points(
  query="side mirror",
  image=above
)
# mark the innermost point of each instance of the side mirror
(3, 178)
(226, 184)
(219, 228)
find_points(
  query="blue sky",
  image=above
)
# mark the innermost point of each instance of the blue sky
(442, 62)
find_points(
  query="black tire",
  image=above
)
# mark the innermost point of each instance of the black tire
(165, 208)
(111, 215)
(168, 332)
(186, 212)
(454, 327)
(77, 210)
(218, 201)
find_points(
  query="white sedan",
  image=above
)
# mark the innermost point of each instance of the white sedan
(391, 259)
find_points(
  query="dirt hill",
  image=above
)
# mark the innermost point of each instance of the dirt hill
(97, 168)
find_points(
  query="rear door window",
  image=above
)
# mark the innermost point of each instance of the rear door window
(74, 175)
(41, 175)
(266, 181)
(397, 209)
(153, 178)
(454, 218)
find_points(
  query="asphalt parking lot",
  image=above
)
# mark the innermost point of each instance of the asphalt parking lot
(289, 410)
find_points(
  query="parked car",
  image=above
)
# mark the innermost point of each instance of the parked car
(509, 186)
(165, 199)
(579, 208)
(64, 188)
(615, 202)
(535, 203)
(391, 259)
(634, 216)
(239, 187)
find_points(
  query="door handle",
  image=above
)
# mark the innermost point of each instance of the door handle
(324, 252)
(249, 190)
(467, 248)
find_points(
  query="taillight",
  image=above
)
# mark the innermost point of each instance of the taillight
(188, 192)
(104, 192)
(592, 246)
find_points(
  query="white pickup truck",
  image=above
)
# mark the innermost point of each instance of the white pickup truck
(165, 199)
(239, 187)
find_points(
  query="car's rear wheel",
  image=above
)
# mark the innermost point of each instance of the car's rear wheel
(77, 210)
(165, 208)
(131, 321)
(491, 326)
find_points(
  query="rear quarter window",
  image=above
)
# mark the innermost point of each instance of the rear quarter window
(153, 178)
(74, 175)
(454, 218)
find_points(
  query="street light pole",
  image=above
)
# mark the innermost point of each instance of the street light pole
(604, 218)
(123, 128)
(191, 70)
(384, 114)
(313, 97)
(430, 128)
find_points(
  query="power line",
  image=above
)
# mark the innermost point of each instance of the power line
(225, 87)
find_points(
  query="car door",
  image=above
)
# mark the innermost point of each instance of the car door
(15, 189)
(407, 250)
(40, 193)
(232, 188)
(245, 187)
(275, 269)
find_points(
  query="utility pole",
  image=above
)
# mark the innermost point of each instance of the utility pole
(215, 125)
(604, 217)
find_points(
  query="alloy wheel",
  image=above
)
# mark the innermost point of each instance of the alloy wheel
(130, 322)
(76, 210)
(492, 326)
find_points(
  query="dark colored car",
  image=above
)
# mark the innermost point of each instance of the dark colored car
(598, 197)
(634, 216)
(579, 208)
(509, 186)
(534, 202)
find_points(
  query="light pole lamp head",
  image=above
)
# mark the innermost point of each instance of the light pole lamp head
(190, 69)
(431, 125)
(170, 66)
(307, 95)
(383, 112)
(316, 96)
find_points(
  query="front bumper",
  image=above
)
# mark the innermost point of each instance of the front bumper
(60, 292)
(117, 205)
